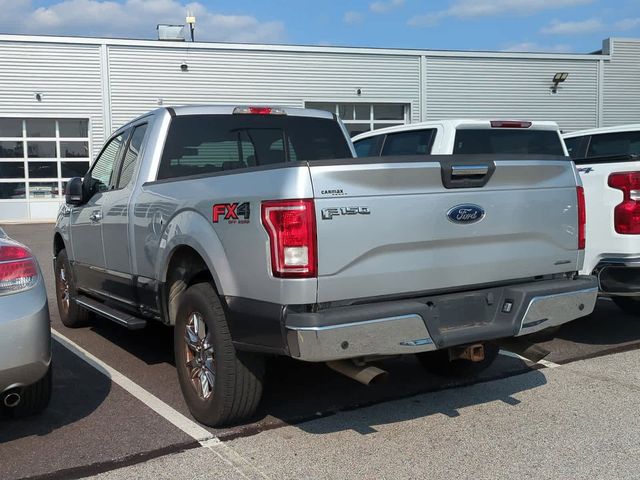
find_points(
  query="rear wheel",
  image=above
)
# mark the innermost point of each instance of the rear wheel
(630, 305)
(220, 385)
(438, 362)
(35, 398)
(71, 314)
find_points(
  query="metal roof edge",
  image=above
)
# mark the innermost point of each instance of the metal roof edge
(295, 48)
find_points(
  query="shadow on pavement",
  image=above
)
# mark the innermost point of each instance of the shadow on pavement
(607, 325)
(296, 392)
(449, 402)
(78, 390)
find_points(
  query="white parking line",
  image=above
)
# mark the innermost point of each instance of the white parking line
(170, 414)
(543, 362)
(188, 426)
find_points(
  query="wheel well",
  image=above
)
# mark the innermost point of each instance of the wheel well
(58, 244)
(186, 267)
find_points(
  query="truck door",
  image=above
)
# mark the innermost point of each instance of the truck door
(116, 220)
(86, 220)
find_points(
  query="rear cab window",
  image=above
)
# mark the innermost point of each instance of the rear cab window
(512, 141)
(609, 144)
(204, 144)
(369, 147)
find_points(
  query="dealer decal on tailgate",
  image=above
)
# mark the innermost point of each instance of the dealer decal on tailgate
(232, 212)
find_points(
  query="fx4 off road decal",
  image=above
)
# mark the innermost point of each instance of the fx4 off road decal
(232, 212)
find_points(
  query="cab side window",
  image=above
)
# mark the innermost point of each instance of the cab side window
(369, 147)
(131, 155)
(414, 142)
(101, 177)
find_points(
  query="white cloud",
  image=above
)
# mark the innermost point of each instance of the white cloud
(132, 18)
(465, 9)
(352, 17)
(535, 47)
(556, 27)
(385, 6)
(628, 24)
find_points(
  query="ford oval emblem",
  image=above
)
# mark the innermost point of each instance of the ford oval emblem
(466, 213)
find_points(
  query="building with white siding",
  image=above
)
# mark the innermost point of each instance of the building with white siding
(60, 97)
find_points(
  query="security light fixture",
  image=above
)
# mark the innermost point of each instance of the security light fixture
(558, 78)
(191, 21)
(184, 67)
(38, 97)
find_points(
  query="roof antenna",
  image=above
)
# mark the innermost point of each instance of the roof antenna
(191, 21)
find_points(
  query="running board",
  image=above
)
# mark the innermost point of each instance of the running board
(125, 319)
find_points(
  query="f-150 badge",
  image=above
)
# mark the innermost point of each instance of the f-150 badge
(232, 212)
(329, 213)
(466, 213)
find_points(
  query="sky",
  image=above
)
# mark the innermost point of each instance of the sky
(576, 26)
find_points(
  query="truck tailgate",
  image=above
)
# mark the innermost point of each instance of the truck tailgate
(389, 226)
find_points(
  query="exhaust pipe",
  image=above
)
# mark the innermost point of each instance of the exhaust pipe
(12, 399)
(365, 374)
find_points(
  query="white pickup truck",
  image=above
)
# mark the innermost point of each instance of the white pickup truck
(608, 160)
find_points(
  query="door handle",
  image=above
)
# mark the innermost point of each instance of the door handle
(469, 170)
(95, 216)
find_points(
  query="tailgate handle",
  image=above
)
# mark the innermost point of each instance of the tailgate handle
(469, 170)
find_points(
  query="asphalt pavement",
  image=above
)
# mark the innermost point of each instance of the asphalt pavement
(117, 407)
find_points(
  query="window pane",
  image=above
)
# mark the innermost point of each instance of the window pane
(204, 144)
(11, 169)
(74, 149)
(102, 172)
(369, 147)
(10, 127)
(508, 141)
(357, 128)
(622, 143)
(41, 127)
(416, 142)
(43, 190)
(11, 150)
(345, 112)
(73, 127)
(12, 190)
(131, 156)
(329, 107)
(363, 112)
(388, 112)
(377, 126)
(43, 170)
(41, 149)
(74, 169)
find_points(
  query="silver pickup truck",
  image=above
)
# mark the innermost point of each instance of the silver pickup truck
(255, 231)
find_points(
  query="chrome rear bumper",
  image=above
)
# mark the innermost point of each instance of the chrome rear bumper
(413, 326)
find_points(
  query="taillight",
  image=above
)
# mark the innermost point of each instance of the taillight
(582, 219)
(18, 269)
(626, 215)
(509, 124)
(291, 226)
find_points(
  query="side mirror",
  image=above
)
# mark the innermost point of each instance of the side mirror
(73, 192)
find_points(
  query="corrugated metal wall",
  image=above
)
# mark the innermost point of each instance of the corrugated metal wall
(512, 88)
(621, 92)
(139, 77)
(68, 76)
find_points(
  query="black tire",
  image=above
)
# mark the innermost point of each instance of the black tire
(438, 362)
(236, 390)
(35, 398)
(71, 314)
(630, 305)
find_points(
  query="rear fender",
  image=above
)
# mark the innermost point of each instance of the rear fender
(191, 229)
